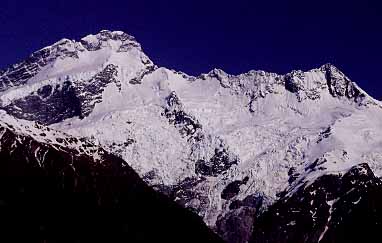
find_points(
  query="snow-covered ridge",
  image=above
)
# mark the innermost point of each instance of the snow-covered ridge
(45, 135)
(114, 39)
(117, 40)
(305, 84)
(64, 57)
(69, 59)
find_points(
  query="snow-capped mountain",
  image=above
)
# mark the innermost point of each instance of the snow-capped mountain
(225, 146)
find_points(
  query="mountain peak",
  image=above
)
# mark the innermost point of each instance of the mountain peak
(120, 39)
(84, 51)
(340, 85)
(93, 42)
(116, 40)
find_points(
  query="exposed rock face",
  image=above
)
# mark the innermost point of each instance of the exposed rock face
(233, 188)
(237, 225)
(334, 208)
(53, 191)
(90, 93)
(175, 114)
(340, 85)
(49, 104)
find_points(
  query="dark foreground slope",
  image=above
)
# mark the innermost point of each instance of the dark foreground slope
(52, 192)
(334, 208)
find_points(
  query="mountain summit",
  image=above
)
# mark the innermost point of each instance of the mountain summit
(228, 147)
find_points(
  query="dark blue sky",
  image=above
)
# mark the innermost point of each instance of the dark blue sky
(195, 36)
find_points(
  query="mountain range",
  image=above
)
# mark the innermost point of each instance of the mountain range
(259, 157)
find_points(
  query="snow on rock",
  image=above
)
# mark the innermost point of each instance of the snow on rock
(45, 135)
(340, 207)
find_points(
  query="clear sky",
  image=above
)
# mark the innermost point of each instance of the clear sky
(195, 36)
